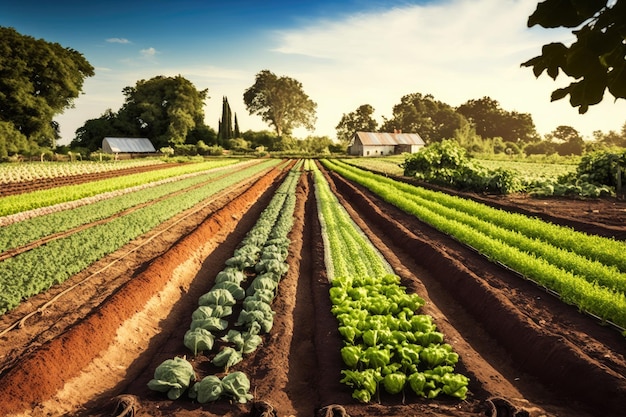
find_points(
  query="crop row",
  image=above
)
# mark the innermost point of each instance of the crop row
(586, 271)
(34, 271)
(13, 173)
(262, 254)
(386, 342)
(43, 198)
(23, 232)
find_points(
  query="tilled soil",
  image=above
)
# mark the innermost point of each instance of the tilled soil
(525, 352)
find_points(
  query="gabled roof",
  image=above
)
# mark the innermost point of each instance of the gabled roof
(377, 139)
(127, 145)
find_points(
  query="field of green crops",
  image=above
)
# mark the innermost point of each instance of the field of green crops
(293, 298)
(529, 171)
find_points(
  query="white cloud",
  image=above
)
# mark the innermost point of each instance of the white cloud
(118, 40)
(148, 53)
(456, 50)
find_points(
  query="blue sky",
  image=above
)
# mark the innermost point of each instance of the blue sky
(345, 54)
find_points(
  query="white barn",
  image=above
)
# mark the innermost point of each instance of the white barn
(127, 145)
(379, 144)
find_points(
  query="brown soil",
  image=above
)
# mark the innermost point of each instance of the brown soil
(526, 352)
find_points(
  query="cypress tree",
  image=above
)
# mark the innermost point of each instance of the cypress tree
(237, 132)
(226, 123)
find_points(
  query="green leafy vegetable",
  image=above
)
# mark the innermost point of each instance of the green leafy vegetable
(207, 390)
(198, 340)
(227, 357)
(219, 296)
(237, 385)
(394, 383)
(351, 355)
(172, 376)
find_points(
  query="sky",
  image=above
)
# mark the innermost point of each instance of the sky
(345, 54)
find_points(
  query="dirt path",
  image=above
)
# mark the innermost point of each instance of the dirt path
(519, 345)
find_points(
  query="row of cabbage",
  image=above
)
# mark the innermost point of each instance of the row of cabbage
(387, 343)
(586, 271)
(13, 173)
(36, 270)
(44, 198)
(214, 332)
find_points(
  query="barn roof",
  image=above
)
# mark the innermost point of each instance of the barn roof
(127, 145)
(377, 139)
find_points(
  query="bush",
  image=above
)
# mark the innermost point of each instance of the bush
(601, 167)
(447, 163)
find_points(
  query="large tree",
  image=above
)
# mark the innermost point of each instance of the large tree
(491, 121)
(163, 109)
(433, 120)
(281, 102)
(91, 133)
(568, 140)
(38, 80)
(360, 120)
(596, 60)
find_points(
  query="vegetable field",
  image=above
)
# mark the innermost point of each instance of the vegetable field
(304, 288)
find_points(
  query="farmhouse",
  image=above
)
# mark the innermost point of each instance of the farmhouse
(127, 145)
(379, 144)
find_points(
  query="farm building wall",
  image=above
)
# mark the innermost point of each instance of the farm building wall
(379, 150)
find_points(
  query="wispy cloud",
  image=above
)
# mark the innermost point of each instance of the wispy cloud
(148, 53)
(118, 40)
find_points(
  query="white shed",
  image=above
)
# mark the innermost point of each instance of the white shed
(127, 145)
(379, 144)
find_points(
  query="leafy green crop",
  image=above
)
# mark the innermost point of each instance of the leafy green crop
(587, 271)
(385, 340)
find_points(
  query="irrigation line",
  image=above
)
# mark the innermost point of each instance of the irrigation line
(21, 322)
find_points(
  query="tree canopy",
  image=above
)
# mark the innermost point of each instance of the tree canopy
(596, 60)
(491, 121)
(165, 110)
(360, 120)
(38, 80)
(432, 119)
(281, 102)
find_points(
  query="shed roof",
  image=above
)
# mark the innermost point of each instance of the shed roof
(377, 139)
(127, 145)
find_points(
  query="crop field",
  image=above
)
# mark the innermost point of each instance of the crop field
(529, 171)
(304, 288)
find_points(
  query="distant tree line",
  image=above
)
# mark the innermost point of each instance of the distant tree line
(479, 125)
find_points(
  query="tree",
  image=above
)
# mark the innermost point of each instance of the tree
(38, 80)
(11, 141)
(225, 129)
(432, 119)
(281, 102)
(360, 120)
(491, 121)
(163, 109)
(569, 141)
(91, 133)
(596, 60)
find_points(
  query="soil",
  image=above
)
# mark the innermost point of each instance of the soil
(525, 351)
